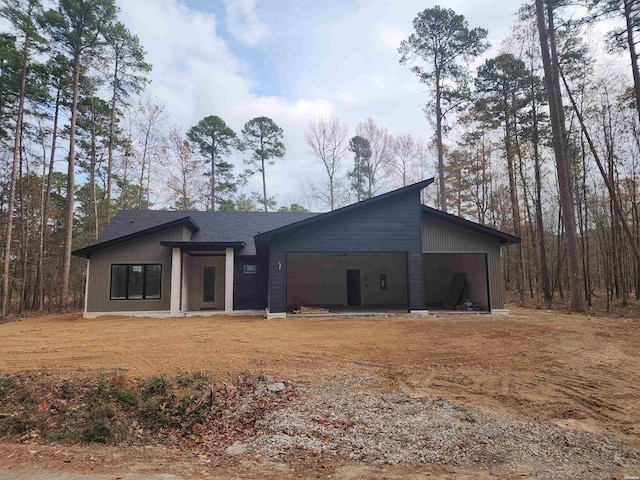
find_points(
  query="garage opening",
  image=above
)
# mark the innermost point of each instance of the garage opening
(347, 282)
(456, 282)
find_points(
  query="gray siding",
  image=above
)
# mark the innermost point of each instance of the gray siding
(141, 250)
(443, 237)
(391, 225)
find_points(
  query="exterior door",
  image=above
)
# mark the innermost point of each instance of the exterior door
(208, 286)
(353, 288)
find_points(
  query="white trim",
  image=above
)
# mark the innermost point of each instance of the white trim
(86, 288)
(176, 271)
(272, 315)
(228, 280)
(500, 311)
(419, 312)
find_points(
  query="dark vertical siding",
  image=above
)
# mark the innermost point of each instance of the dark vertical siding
(141, 250)
(390, 225)
(443, 237)
(250, 291)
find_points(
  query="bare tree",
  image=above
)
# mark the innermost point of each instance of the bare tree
(182, 171)
(328, 138)
(380, 144)
(404, 161)
(148, 122)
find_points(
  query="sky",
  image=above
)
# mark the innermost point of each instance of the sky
(292, 60)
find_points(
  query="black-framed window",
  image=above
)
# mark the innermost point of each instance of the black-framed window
(383, 281)
(136, 282)
(249, 269)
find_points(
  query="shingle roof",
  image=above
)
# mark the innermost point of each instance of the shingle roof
(220, 227)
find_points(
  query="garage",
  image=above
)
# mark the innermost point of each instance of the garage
(347, 281)
(456, 281)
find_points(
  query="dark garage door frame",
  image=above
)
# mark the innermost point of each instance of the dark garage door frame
(354, 252)
(486, 270)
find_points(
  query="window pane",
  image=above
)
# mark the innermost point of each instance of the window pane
(118, 282)
(136, 281)
(209, 284)
(152, 283)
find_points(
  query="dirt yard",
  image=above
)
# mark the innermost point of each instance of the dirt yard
(534, 395)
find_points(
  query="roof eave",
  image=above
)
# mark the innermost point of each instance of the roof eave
(86, 251)
(502, 237)
(188, 245)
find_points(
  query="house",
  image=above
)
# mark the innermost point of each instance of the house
(387, 253)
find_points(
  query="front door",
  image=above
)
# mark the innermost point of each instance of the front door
(208, 287)
(353, 288)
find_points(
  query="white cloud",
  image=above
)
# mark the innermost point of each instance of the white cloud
(243, 22)
(321, 58)
(195, 74)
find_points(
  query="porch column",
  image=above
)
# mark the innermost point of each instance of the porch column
(176, 273)
(228, 281)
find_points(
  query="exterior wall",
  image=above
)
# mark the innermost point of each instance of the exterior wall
(320, 278)
(442, 237)
(193, 280)
(141, 250)
(250, 291)
(390, 225)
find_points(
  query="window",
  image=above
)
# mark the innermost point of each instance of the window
(249, 269)
(135, 282)
(383, 282)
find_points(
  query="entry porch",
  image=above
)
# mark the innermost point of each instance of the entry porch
(201, 278)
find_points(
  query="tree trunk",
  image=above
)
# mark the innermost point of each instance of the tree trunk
(213, 173)
(24, 235)
(264, 178)
(513, 196)
(12, 189)
(440, 147)
(544, 266)
(264, 187)
(68, 222)
(112, 128)
(92, 173)
(142, 168)
(560, 150)
(632, 52)
(47, 196)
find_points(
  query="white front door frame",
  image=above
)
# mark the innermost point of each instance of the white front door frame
(228, 280)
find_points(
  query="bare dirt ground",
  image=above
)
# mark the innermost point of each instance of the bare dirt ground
(537, 394)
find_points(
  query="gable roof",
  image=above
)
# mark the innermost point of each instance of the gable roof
(241, 230)
(324, 216)
(502, 237)
(123, 228)
(233, 228)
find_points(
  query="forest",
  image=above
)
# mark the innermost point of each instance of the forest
(541, 141)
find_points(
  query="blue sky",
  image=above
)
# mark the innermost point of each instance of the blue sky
(294, 60)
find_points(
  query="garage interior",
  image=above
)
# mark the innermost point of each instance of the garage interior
(456, 282)
(347, 282)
